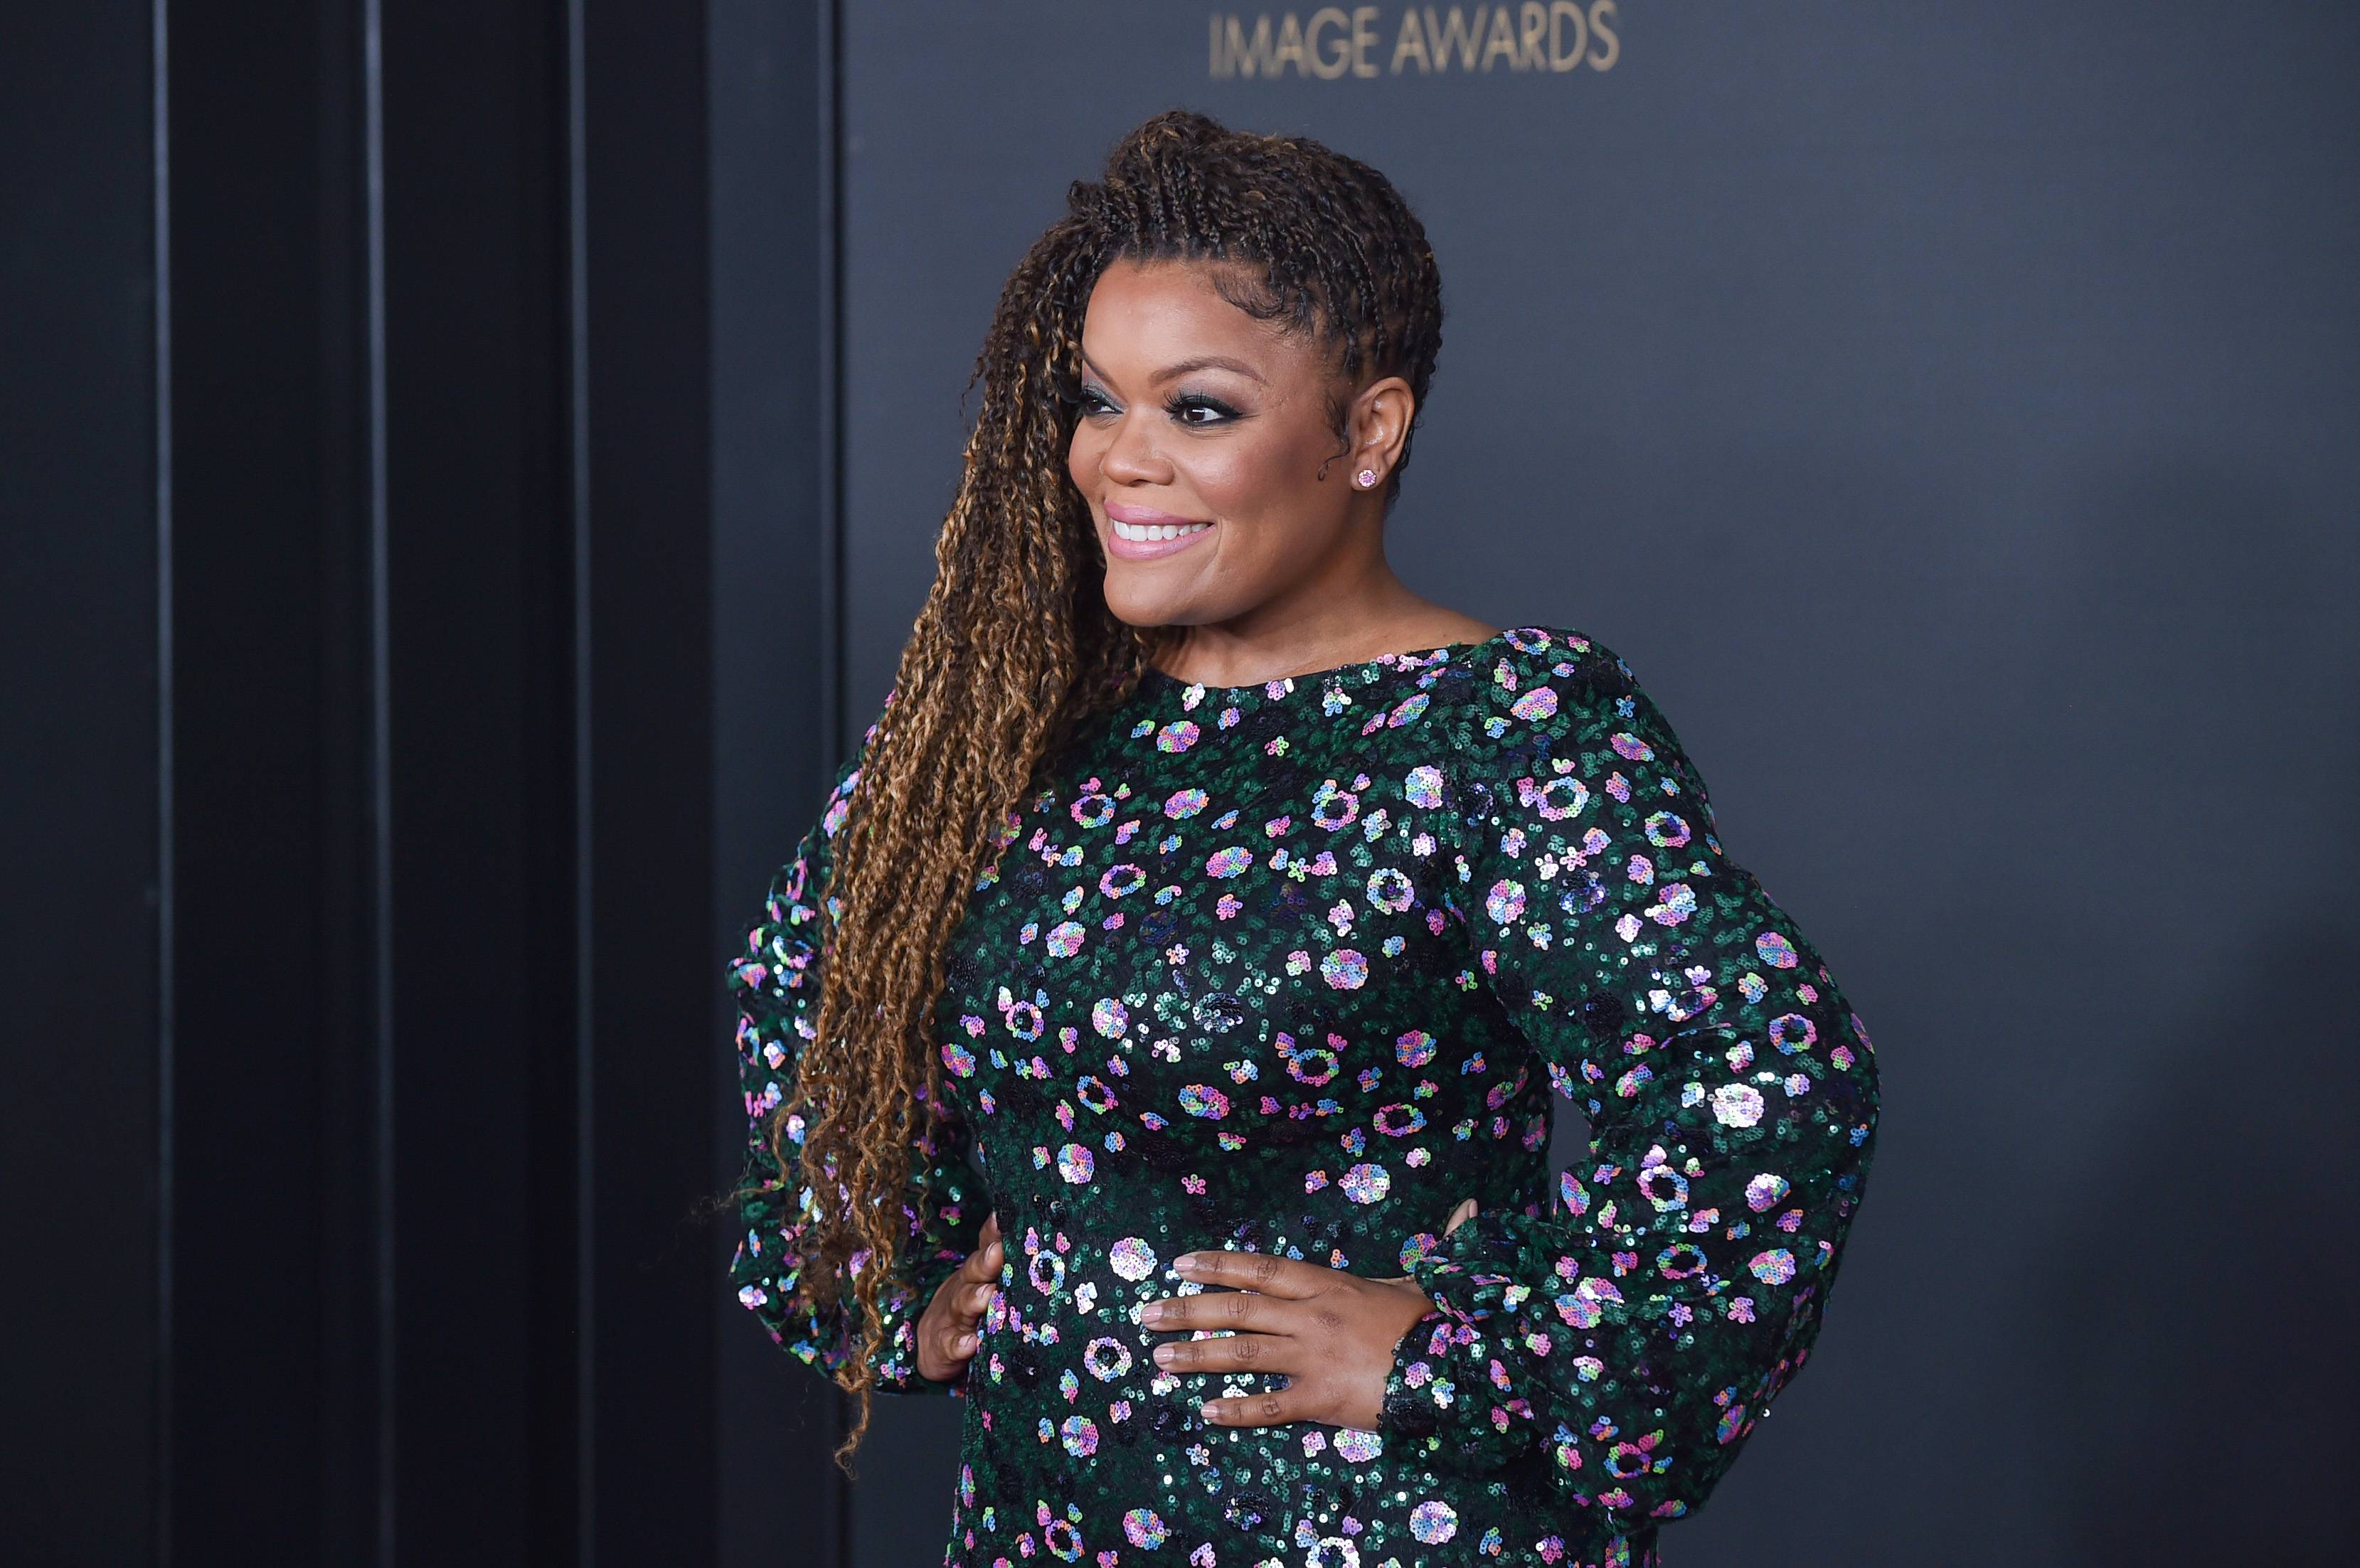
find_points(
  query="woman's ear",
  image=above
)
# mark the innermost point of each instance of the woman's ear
(1379, 425)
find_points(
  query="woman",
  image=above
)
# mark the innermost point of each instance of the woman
(1238, 910)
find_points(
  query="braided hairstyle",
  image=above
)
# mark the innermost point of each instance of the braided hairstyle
(1016, 647)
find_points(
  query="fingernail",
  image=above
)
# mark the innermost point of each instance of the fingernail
(1186, 1263)
(1163, 1355)
(1211, 1410)
(1151, 1312)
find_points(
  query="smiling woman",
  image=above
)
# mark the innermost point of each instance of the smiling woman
(1240, 910)
(1211, 446)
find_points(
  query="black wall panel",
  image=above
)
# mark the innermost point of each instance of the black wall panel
(274, 1394)
(650, 956)
(481, 662)
(80, 786)
(774, 645)
(366, 789)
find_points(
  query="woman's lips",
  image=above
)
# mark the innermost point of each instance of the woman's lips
(1142, 533)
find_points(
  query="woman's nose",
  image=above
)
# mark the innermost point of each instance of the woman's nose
(1131, 456)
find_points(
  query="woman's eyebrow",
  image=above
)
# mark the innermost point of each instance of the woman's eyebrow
(1203, 362)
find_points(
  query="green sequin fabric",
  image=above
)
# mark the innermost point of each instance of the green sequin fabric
(1295, 968)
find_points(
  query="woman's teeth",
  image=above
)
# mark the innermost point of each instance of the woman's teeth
(1140, 534)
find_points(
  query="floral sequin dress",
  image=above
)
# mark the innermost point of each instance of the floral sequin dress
(1296, 968)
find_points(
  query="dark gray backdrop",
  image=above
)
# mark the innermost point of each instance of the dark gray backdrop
(1953, 412)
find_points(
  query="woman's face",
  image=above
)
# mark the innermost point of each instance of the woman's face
(1196, 417)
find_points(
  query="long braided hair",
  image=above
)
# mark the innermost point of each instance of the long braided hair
(1016, 645)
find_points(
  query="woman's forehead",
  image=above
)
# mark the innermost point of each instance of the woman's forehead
(1160, 317)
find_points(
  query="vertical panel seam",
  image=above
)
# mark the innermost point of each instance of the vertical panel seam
(167, 882)
(584, 1104)
(380, 777)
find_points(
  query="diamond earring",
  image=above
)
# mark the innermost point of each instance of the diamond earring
(1367, 476)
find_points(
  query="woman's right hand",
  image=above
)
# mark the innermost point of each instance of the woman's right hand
(948, 1331)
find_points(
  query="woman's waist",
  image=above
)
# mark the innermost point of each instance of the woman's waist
(1357, 1211)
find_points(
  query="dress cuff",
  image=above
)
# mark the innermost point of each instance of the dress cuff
(1451, 1396)
(897, 1365)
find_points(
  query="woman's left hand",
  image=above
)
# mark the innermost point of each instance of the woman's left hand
(1330, 1333)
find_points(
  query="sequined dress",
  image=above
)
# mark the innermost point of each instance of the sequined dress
(1296, 968)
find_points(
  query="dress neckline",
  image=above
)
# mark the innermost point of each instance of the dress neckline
(1432, 657)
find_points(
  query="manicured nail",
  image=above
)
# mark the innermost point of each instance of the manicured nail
(1213, 1411)
(1186, 1263)
(1165, 1355)
(1151, 1313)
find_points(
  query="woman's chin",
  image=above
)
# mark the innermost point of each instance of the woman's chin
(1140, 604)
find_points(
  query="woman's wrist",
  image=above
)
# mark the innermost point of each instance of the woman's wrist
(1408, 1409)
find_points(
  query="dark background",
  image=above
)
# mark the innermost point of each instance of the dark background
(467, 472)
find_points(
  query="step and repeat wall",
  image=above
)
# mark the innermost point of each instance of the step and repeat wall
(1949, 411)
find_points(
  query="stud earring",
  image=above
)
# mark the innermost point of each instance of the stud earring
(1367, 476)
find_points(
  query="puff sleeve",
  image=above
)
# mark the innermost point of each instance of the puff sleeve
(776, 984)
(1624, 1337)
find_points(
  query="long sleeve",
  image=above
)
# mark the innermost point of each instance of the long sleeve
(1633, 1329)
(777, 988)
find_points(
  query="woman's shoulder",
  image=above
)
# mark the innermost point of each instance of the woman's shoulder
(1538, 703)
(1560, 651)
(1533, 682)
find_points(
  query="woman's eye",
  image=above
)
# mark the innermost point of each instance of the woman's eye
(1199, 411)
(1093, 402)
